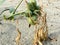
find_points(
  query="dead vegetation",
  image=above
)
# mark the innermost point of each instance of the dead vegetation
(42, 33)
(18, 37)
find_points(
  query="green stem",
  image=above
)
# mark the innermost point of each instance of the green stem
(22, 13)
(17, 7)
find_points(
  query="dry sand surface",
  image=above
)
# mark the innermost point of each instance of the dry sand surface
(8, 31)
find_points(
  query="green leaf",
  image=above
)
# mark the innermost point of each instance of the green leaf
(1, 1)
(34, 18)
(11, 9)
(31, 21)
(8, 18)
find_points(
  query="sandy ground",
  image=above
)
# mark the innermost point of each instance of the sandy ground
(8, 31)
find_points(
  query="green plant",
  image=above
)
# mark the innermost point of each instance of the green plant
(12, 12)
(32, 12)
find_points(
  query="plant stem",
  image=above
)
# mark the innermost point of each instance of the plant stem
(17, 7)
(17, 14)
